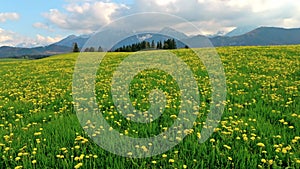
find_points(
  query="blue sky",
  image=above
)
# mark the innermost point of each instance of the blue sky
(30, 11)
(34, 23)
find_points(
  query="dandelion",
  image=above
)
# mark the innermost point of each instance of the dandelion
(228, 147)
(18, 167)
(78, 165)
(198, 135)
(164, 155)
(229, 158)
(81, 156)
(33, 161)
(284, 150)
(171, 160)
(294, 141)
(153, 162)
(184, 166)
(37, 133)
(270, 162)
(63, 149)
(260, 144)
(212, 140)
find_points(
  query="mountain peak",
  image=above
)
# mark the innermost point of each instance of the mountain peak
(240, 31)
(173, 33)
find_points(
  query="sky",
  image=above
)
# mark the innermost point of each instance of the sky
(38, 23)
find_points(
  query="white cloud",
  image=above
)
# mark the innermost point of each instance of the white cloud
(222, 15)
(84, 17)
(10, 38)
(145, 37)
(40, 25)
(45, 40)
(8, 16)
(210, 16)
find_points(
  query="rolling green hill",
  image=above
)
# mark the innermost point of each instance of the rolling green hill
(260, 127)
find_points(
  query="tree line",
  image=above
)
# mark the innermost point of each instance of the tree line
(144, 45)
(88, 49)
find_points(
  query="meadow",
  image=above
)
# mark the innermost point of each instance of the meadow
(260, 126)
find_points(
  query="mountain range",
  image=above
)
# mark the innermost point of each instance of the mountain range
(261, 36)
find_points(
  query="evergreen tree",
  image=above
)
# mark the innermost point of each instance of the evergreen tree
(153, 44)
(92, 49)
(100, 49)
(76, 48)
(86, 49)
(147, 45)
(173, 44)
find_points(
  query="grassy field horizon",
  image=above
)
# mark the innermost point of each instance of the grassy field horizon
(260, 127)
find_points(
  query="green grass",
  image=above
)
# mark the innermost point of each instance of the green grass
(39, 124)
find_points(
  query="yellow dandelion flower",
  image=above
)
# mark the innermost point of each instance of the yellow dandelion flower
(228, 147)
(37, 133)
(63, 149)
(153, 162)
(270, 162)
(184, 166)
(171, 160)
(284, 150)
(33, 161)
(229, 158)
(173, 116)
(198, 135)
(78, 165)
(263, 160)
(81, 156)
(260, 144)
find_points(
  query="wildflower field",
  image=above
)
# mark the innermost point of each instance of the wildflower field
(260, 126)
